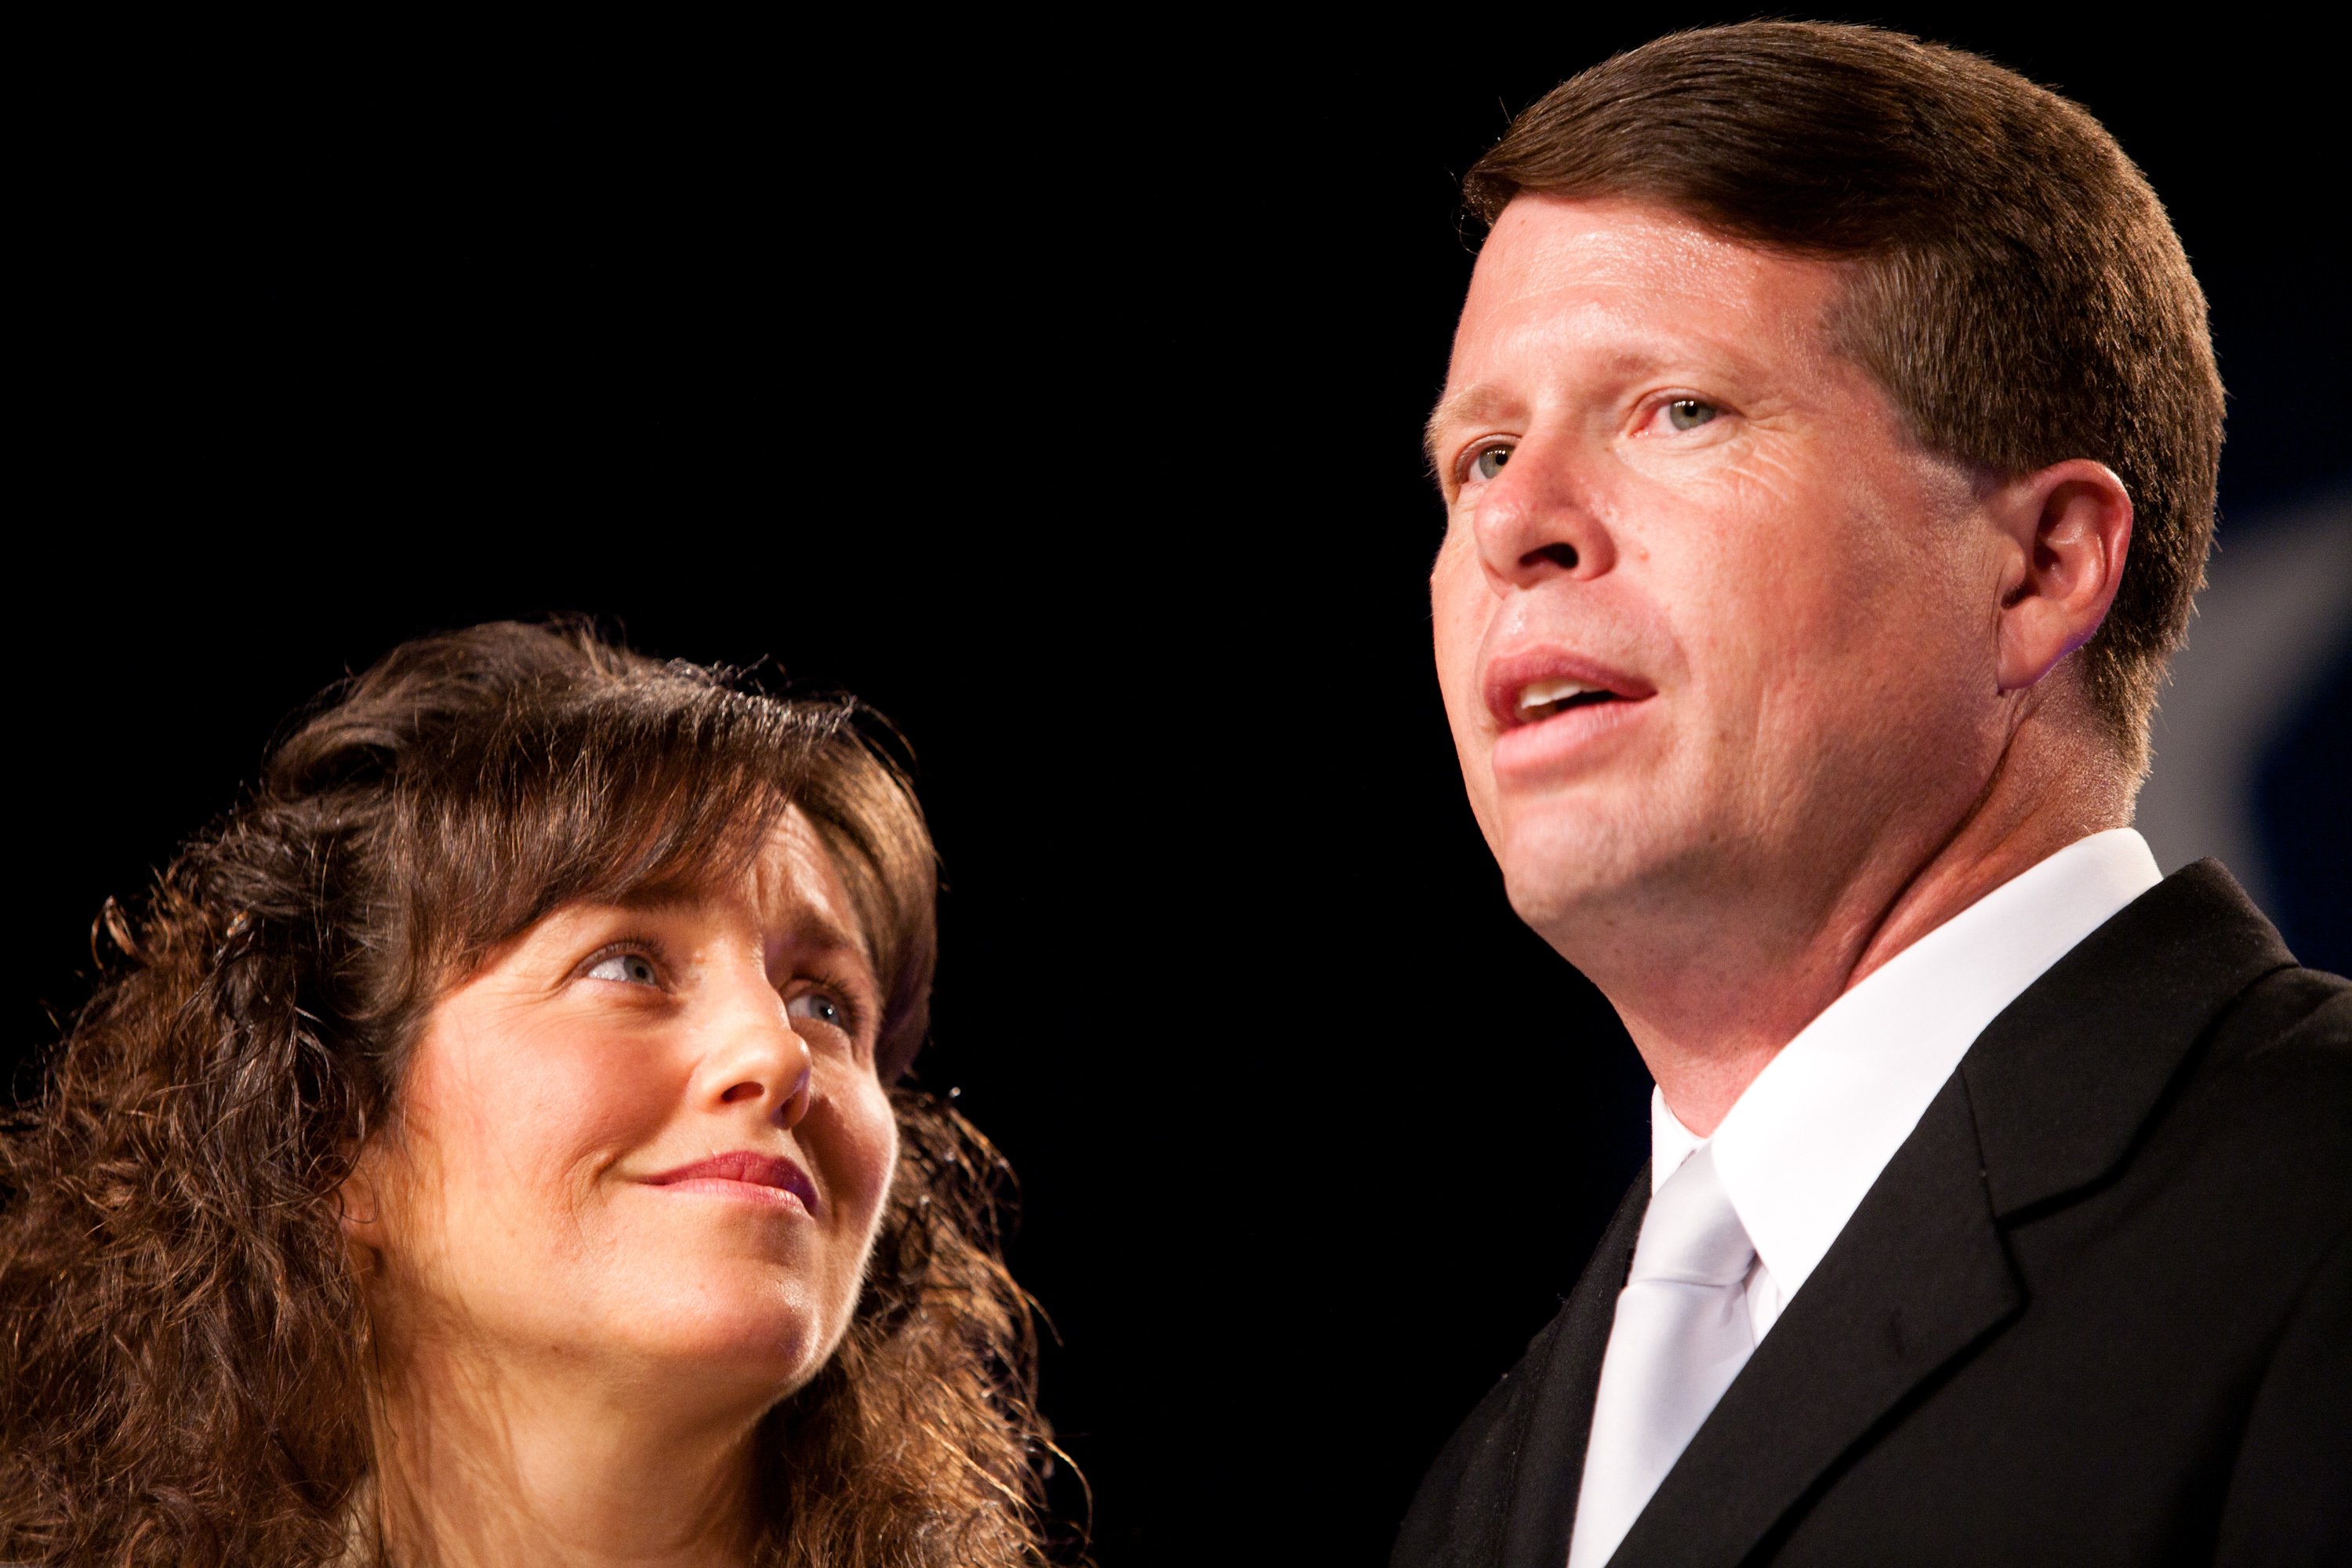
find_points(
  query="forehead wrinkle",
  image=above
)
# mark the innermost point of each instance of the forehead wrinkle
(797, 880)
(1629, 242)
(1621, 333)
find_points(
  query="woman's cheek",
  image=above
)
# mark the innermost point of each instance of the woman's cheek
(870, 1137)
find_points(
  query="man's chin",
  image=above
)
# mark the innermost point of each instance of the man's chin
(1565, 870)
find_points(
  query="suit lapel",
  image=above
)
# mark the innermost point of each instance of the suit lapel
(1554, 1417)
(2063, 1080)
(1918, 1276)
(2047, 1099)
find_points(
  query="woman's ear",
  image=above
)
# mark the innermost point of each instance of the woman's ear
(2066, 531)
(361, 1213)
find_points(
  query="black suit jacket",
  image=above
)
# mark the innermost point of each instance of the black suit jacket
(2097, 1308)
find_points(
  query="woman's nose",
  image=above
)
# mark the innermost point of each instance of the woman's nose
(761, 1064)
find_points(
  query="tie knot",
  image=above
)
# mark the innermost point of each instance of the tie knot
(1691, 1233)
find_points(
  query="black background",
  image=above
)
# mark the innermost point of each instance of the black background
(1058, 390)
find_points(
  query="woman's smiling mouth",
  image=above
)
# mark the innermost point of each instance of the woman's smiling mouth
(741, 1174)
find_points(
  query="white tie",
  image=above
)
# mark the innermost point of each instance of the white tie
(1682, 1334)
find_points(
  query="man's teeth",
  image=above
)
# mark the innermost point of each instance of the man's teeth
(1542, 699)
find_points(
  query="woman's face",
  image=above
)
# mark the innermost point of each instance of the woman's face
(647, 1140)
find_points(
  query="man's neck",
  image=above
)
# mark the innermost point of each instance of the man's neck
(1721, 992)
(497, 1466)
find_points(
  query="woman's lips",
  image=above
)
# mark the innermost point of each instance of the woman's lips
(760, 1178)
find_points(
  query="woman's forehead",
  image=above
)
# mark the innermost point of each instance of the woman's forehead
(795, 883)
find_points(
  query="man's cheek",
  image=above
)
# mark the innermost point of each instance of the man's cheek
(1456, 630)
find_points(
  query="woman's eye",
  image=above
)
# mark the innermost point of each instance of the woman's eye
(628, 968)
(1489, 463)
(821, 1008)
(1689, 412)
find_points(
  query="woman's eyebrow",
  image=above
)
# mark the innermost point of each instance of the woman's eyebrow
(655, 902)
(807, 925)
(815, 928)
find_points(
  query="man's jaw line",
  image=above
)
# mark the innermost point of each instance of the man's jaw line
(1711, 983)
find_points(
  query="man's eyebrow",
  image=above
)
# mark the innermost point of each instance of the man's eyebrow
(1456, 408)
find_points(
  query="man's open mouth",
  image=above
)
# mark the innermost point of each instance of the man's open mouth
(1540, 700)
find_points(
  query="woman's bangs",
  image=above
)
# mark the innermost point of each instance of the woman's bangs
(613, 797)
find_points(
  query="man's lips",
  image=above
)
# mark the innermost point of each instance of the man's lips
(1529, 688)
(748, 1169)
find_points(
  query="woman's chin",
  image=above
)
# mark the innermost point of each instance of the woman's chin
(749, 1347)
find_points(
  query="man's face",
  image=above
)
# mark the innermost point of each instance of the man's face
(1708, 620)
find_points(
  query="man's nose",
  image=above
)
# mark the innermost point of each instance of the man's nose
(1539, 516)
(758, 1061)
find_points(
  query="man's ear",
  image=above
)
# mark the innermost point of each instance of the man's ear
(2066, 529)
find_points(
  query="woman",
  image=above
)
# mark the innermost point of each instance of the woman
(484, 1148)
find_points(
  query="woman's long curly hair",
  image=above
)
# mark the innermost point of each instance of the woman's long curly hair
(184, 1353)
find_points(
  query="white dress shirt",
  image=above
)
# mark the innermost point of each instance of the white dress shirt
(1794, 1155)
(1805, 1140)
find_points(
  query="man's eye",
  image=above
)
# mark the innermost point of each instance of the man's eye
(1689, 412)
(821, 1008)
(628, 968)
(1489, 463)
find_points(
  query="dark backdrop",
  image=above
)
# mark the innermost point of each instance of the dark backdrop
(1060, 397)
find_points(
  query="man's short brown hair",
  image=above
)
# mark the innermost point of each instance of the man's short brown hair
(2017, 287)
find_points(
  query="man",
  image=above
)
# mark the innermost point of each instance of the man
(1829, 446)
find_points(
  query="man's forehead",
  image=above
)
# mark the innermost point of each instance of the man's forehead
(1623, 284)
(1543, 244)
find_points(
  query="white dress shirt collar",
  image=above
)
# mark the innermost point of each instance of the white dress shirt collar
(1810, 1135)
